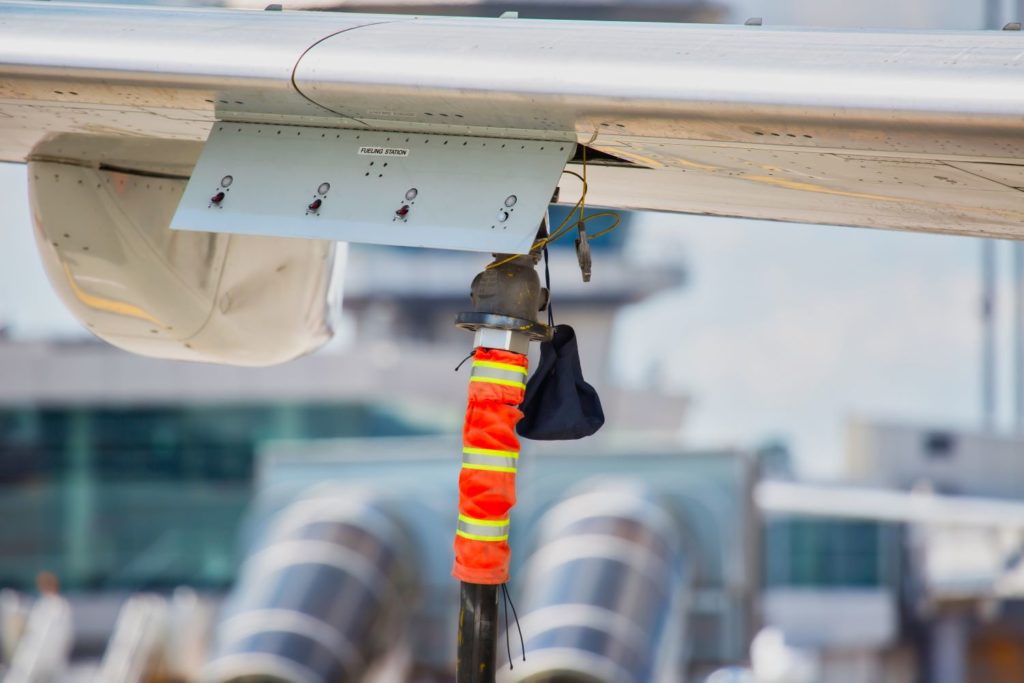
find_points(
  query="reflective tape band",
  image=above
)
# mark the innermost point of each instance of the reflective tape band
(489, 460)
(489, 523)
(519, 369)
(492, 463)
(482, 529)
(498, 373)
(490, 451)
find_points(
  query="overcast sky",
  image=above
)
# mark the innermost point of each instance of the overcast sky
(946, 14)
(790, 330)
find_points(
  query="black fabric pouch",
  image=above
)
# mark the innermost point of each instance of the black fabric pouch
(559, 405)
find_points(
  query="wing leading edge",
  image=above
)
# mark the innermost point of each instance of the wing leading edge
(900, 130)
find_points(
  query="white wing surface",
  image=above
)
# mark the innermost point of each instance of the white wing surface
(903, 130)
(111, 107)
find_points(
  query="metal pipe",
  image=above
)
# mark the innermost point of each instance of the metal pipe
(605, 592)
(138, 647)
(948, 648)
(478, 633)
(988, 325)
(323, 598)
(1018, 334)
(993, 14)
(43, 651)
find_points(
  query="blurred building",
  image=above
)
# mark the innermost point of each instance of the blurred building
(911, 569)
(132, 474)
(707, 613)
(131, 477)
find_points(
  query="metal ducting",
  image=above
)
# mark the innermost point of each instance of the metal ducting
(604, 593)
(325, 595)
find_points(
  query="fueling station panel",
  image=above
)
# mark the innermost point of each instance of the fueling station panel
(403, 189)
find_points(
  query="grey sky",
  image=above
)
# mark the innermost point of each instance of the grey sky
(27, 303)
(790, 330)
(946, 14)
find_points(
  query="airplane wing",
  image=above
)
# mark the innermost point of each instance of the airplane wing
(127, 117)
(883, 129)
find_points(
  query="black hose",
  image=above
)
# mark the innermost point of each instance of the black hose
(478, 633)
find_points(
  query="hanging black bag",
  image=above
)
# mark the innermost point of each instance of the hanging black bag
(559, 405)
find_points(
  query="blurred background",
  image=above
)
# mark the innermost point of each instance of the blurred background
(810, 470)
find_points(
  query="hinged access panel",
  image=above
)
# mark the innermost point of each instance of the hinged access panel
(422, 190)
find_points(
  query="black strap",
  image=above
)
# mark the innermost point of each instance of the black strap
(463, 361)
(547, 283)
(509, 603)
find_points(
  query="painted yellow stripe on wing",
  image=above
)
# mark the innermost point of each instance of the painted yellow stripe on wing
(111, 306)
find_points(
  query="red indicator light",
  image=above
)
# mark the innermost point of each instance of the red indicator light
(403, 212)
(217, 198)
(315, 204)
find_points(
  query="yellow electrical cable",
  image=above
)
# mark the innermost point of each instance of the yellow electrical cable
(567, 223)
(600, 214)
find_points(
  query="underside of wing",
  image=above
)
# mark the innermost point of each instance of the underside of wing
(243, 129)
(900, 130)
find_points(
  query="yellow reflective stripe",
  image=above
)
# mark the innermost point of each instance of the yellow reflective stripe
(498, 373)
(495, 463)
(477, 537)
(490, 530)
(484, 522)
(499, 366)
(470, 450)
(494, 380)
(487, 468)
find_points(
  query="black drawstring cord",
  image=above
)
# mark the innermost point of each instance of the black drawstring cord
(508, 643)
(463, 362)
(509, 603)
(547, 283)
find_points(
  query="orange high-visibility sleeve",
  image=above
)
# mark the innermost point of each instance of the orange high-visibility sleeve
(487, 482)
